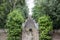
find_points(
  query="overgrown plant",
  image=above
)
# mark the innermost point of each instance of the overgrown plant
(45, 26)
(14, 24)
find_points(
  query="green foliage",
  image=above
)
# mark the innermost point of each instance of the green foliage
(40, 14)
(14, 24)
(7, 6)
(37, 12)
(3, 13)
(45, 26)
(51, 8)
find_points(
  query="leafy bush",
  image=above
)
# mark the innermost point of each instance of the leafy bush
(14, 24)
(45, 26)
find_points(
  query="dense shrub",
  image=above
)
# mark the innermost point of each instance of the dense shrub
(45, 26)
(14, 24)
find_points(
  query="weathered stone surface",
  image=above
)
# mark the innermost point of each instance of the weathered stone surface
(30, 31)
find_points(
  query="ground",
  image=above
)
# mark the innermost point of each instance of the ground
(56, 35)
(3, 34)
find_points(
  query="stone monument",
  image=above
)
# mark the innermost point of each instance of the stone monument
(30, 30)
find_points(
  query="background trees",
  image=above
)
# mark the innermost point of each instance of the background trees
(7, 6)
(3, 12)
(51, 8)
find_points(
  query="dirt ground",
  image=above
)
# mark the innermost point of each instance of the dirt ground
(56, 35)
(3, 34)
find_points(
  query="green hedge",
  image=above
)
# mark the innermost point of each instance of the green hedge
(14, 24)
(45, 26)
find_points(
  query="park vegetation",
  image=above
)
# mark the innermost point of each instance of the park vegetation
(48, 14)
(14, 12)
